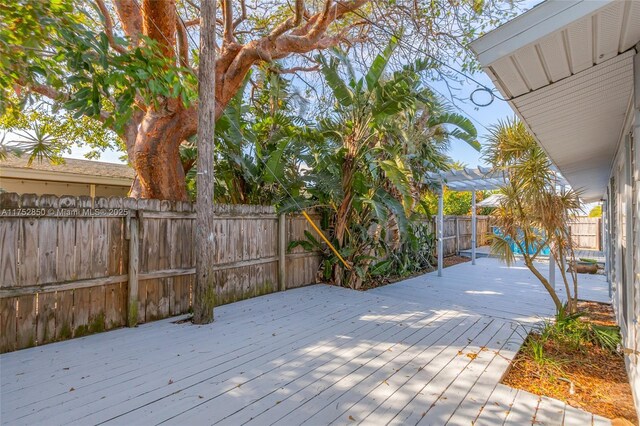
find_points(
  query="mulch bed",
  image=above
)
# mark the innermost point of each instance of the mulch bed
(447, 261)
(455, 260)
(599, 378)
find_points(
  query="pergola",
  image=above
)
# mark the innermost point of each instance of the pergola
(480, 178)
(472, 180)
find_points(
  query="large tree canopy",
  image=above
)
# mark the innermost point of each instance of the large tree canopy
(132, 64)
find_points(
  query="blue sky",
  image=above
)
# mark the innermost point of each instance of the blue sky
(482, 118)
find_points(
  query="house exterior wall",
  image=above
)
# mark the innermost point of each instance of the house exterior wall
(40, 187)
(623, 236)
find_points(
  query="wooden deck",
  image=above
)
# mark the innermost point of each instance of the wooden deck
(424, 351)
(492, 288)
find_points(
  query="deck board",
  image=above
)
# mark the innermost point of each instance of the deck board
(369, 369)
(427, 350)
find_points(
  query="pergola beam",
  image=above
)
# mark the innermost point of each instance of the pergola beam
(463, 180)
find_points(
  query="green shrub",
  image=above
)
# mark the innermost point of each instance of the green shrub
(570, 329)
(607, 337)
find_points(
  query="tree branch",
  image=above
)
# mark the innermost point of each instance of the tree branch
(227, 13)
(183, 44)
(108, 27)
(44, 90)
(292, 22)
(131, 18)
(312, 35)
(242, 16)
(192, 22)
(294, 69)
(159, 22)
(195, 6)
(56, 95)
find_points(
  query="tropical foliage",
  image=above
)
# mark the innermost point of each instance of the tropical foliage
(261, 144)
(39, 134)
(454, 202)
(361, 164)
(533, 213)
(132, 64)
(359, 159)
(596, 211)
(384, 133)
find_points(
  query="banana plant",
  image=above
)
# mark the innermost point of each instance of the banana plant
(385, 131)
(260, 140)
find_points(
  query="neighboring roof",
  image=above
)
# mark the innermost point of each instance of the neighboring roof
(492, 200)
(72, 170)
(566, 68)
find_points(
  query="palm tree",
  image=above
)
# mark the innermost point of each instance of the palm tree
(37, 143)
(532, 214)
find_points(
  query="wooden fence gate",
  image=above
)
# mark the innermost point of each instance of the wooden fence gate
(456, 233)
(586, 232)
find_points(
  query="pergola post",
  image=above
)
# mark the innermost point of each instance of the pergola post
(440, 225)
(474, 219)
(552, 271)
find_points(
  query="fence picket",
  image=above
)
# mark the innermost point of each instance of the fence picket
(47, 242)
(9, 237)
(28, 245)
(66, 230)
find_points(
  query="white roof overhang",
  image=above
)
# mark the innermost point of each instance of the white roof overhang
(566, 68)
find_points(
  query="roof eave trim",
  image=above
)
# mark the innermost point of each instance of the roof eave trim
(538, 22)
(48, 175)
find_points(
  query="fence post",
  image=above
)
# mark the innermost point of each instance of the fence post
(132, 305)
(457, 236)
(282, 251)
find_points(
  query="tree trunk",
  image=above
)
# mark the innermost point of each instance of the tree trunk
(156, 159)
(343, 213)
(571, 303)
(554, 296)
(205, 287)
(154, 154)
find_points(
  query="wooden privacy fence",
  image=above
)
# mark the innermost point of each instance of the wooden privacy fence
(586, 232)
(71, 266)
(456, 233)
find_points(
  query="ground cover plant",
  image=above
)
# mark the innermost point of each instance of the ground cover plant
(575, 359)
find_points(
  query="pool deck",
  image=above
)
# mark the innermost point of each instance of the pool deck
(429, 350)
(485, 251)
